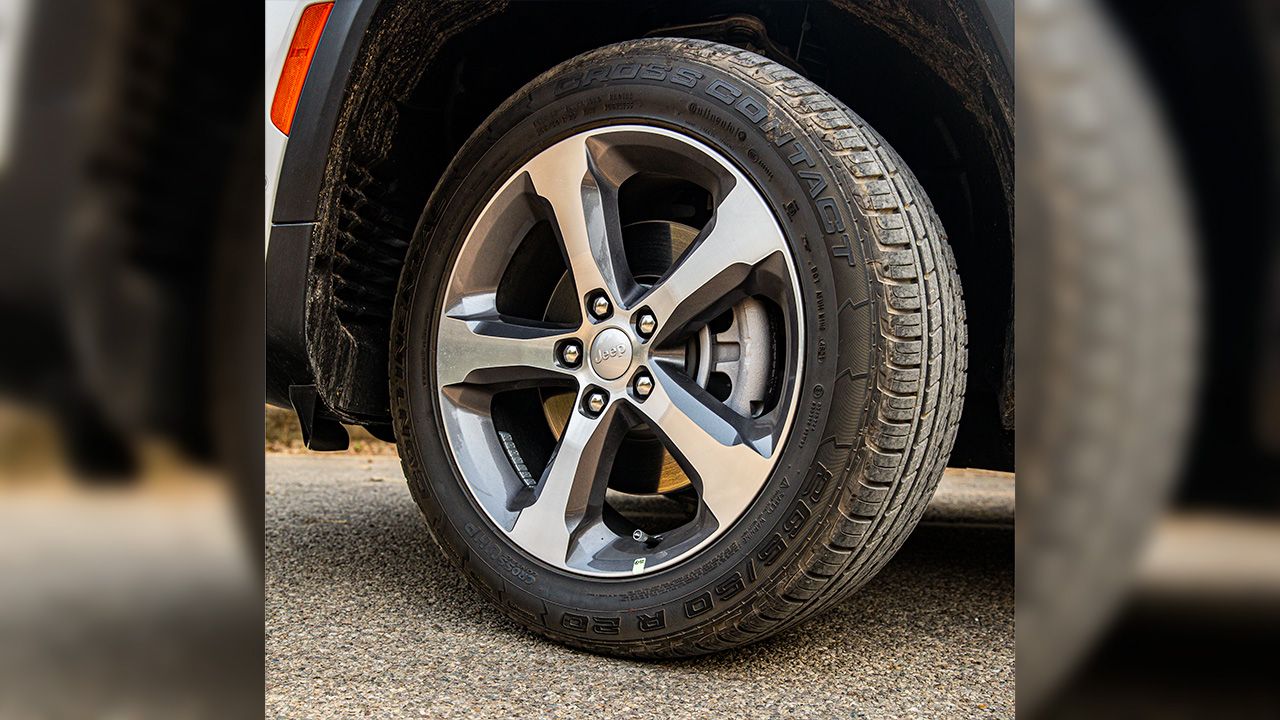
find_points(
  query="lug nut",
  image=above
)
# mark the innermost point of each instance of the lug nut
(595, 402)
(643, 385)
(646, 324)
(600, 307)
(571, 354)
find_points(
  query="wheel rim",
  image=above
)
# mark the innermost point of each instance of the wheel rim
(636, 356)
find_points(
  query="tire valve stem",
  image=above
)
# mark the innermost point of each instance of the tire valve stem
(648, 540)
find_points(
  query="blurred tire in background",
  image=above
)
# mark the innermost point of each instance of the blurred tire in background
(131, 292)
(1148, 566)
(1106, 327)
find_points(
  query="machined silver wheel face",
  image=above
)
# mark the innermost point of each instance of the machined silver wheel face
(644, 358)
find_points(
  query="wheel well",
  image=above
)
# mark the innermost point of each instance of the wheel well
(428, 74)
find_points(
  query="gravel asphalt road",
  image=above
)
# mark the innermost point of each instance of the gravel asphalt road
(365, 618)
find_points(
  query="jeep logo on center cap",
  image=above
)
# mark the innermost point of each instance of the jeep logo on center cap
(611, 354)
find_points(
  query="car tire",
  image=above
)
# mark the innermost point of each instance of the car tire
(858, 316)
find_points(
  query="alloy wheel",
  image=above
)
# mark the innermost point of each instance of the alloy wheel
(697, 355)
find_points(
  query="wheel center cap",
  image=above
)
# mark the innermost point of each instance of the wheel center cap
(611, 354)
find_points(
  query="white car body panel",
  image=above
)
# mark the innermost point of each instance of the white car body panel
(281, 21)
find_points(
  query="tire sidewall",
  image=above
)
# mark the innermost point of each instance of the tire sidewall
(724, 110)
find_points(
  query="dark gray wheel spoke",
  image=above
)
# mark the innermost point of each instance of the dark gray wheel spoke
(742, 234)
(562, 175)
(571, 488)
(730, 455)
(489, 350)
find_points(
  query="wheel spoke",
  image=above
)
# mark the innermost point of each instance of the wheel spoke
(741, 235)
(573, 483)
(584, 217)
(728, 454)
(489, 350)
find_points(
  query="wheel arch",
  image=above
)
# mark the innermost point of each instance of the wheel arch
(412, 93)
